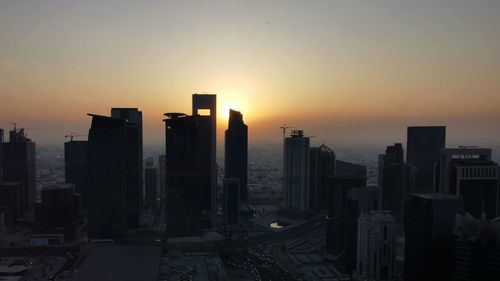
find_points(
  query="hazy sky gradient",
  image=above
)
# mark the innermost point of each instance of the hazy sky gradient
(345, 71)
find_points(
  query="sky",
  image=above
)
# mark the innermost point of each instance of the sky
(347, 72)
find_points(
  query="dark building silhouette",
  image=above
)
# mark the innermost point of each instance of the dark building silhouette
(134, 162)
(476, 255)
(321, 167)
(232, 201)
(108, 170)
(429, 220)
(423, 149)
(236, 151)
(347, 176)
(358, 200)
(20, 165)
(162, 176)
(11, 202)
(75, 167)
(189, 173)
(151, 183)
(470, 173)
(396, 179)
(296, 172)
(1, 156)
(203, 104)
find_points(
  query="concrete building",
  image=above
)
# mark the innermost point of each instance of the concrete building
(376, 246)
(429, 220)
(296, 172)
(321, 168)
(423, 149)
(236, 152)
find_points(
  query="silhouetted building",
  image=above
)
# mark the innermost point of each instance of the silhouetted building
(470, 173)
(296, 172)
(190, 172)
(1, 156)
(75, 167)
(347, 176)
(429, 220)
(134, 163)
(396, 179)
(321, 167)
(376, 246)
(59, 211)
(108, 170)
(231, 201)
(423, 149)
(11, 202)
(358, 200)
(202, 104)
(236, 151)
(20, 165)
(476, 254)
(151, 186)
(162, 176)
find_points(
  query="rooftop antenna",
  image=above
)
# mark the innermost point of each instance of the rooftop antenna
(284, 128)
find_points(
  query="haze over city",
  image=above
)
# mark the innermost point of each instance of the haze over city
(349, 72)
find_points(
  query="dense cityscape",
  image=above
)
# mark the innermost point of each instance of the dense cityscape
(102, 210)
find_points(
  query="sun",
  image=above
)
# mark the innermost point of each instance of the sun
(226, 107)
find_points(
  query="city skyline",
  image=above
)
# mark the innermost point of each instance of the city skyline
(362, 71)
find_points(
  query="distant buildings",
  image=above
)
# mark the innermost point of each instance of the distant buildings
(376, 246)
(162, 177)
(296, 172)
(190, 165)
(423, 149)
(231, 201)
(321, 168)
(396, 179)
(108, 166)
(151, 183)
(236, 152)
(429, 220)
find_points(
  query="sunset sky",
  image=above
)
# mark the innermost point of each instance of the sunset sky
(345, 71)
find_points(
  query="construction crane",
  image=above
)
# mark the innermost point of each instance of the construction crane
(284, 128)
(72, 135)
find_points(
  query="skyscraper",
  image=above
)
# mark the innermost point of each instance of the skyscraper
(134, 162)
(347, 176)
(423, 149)
(396, 179)
(231, 201)
(203, 104)
(1, 156)
(236, 151)
(108, 170)
(151, 186)
(75, 167)
(429, 220)
(321, 167)
(358, 200)
(296, 172)
(20, 165)
(376, 246)
(162, 177)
